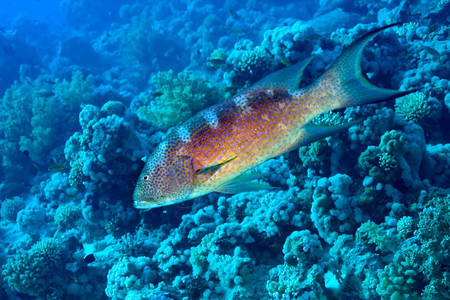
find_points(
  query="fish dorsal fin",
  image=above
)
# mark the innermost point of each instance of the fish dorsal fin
(243, 183)
(288, 78)
(201, 169)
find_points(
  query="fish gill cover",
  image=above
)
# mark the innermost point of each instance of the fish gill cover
(91, 88)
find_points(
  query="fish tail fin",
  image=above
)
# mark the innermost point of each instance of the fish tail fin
(343, 85)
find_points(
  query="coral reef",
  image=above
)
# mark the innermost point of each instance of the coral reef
(362, 214)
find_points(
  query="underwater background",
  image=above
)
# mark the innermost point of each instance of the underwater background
(90, 88)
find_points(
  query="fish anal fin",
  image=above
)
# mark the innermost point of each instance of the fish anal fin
(313, 132)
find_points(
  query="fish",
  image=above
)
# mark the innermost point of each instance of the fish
(213, 64)
(433, 52)
(216, 61)
(57, 167)
(155, 94)
(45, 93)
(236, 31)
(90, 258)
(71, 196)
(215, 150)
(286, 62)
(233, 14)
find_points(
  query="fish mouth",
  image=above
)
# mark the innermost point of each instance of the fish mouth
(142, 204)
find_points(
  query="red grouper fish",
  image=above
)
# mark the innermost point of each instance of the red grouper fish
(211, 151)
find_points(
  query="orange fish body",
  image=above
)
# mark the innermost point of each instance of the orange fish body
(212, 150)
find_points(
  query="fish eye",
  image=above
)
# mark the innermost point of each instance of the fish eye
(145, 177)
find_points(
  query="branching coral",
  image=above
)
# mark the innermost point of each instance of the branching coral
(176, 99)
(309, 238)
(76, 91)
(249, 63)
(126, 280)
(39, 271)
(10, 208)
(32, 116)
(223, 257)
(302, 246)
(316, 155)
(106, 152)
(299, 282)
(398, 157)
(419, 108)
(398, 279)
(371, 233)
(67, 216)
(440, 164)
(289, 42)
(334, 210)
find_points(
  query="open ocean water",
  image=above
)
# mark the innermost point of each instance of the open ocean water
(274, 170)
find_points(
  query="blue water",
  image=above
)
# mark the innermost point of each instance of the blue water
(89, 89)
(47, 11)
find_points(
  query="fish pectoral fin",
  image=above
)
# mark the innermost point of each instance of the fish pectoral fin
(243, 183)
(211, 168)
